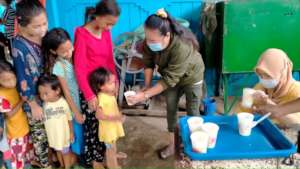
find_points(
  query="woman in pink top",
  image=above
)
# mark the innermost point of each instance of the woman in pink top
(93, 49)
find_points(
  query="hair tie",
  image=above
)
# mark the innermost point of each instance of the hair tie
(162, 13)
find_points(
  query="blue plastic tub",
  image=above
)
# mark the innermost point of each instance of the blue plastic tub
(266, 141)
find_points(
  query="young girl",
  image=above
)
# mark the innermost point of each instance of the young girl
(103, 84)
(4, 147)
(58, 49)
(15, 120)
(28, 62)
(92, 49)
(58, 118)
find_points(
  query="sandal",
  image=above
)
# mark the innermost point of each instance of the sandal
(289, 161)
(165, 152)
(121, 155)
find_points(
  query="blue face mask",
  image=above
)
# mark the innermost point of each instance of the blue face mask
(268, 83)
(155, 47)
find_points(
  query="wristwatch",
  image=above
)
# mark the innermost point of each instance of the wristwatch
(147, 96)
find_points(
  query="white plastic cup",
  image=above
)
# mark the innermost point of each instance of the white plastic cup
(199, 141)
(195, 124)
(212, 130)
(247, 99)
(245, 123)
(127, 94)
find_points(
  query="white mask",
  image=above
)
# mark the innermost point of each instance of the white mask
(269, 83)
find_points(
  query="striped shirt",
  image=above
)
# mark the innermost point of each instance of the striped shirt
(9, 22)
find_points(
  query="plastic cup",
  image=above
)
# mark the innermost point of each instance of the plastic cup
(245, 123)
(199, 141)
(247, 99)
(127, 94)
(195, 124)
(212, 130)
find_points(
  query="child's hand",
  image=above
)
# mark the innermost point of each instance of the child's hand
(123, 118)
(79, 118)
(72, 137)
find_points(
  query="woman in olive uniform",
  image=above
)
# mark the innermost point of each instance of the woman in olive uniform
(174, 49)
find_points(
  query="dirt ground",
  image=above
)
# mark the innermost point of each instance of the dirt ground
(141, 143)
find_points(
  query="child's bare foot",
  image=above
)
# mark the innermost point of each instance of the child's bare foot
(121, 155)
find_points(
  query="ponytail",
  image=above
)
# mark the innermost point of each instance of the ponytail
(104, 7)
(165, 23)
(89, 14)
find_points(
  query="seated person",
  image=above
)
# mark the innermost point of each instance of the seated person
(276, 85)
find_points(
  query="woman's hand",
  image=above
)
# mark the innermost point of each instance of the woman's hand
(145, 88)
(260, 97)
(98, 113)
(139, 97)
(36, 110)
(93, 104)
(274, 109)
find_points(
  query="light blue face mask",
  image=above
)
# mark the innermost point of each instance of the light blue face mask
(13, 4)
(2, 10)
(268, 83)
(155, 47)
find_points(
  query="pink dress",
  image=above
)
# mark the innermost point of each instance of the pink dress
(90, 54)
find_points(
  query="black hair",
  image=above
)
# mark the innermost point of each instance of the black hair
(51, 80)
(98, 78)
(8, 2)
(169, 24)
(104, 7)
(27, 9)
(51, 41)
(6, 67)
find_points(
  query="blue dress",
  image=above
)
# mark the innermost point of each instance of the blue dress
(63, 68)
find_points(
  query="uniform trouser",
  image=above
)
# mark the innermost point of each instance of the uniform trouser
(193, 95)
(39, 140)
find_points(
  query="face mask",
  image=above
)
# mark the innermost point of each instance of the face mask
(155, 47)
(269, 83)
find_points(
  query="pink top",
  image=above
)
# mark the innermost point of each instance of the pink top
(91, 53)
